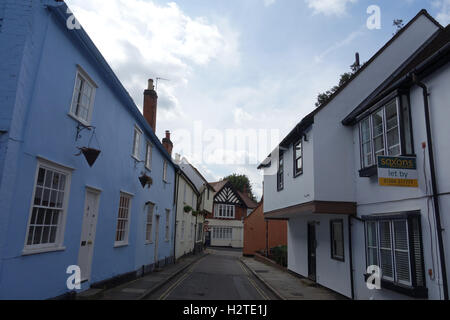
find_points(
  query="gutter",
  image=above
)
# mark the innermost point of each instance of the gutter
(434, 183)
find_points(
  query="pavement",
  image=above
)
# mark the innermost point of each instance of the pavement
(218, 276)
(287, 286)
(144, 286)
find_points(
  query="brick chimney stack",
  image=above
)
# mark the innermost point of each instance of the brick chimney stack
(167, 143)
(150, 104)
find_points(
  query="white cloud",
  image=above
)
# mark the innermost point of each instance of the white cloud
(443, 15)
(142, 40)
(329, 7)
(241, 116)
(268, 3)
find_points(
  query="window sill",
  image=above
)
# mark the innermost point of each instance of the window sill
(80, 121)
(298, 174)
(29, 252)
(120, 245)
(338, 259)
(136, 158)
(414, 292)
(368, 172)
(147, 243)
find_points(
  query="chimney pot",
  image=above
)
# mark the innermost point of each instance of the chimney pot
(150, 85)
(167, 143)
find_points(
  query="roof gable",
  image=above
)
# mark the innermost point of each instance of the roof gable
(227, 195)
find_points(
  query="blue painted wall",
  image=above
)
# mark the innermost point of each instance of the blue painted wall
(35, 106)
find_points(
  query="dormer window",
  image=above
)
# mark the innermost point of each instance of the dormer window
(386, 132)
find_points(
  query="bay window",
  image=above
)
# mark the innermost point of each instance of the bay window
(386, 132)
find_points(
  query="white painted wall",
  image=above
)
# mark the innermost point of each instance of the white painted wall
(296, 190)
(237, 240)
(331, 273)
(334, 177)
(185, 245)
(373, 198)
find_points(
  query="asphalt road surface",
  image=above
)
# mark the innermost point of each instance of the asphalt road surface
(218, 276)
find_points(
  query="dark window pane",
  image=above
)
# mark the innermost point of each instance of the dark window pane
(45, 235)
(40, 217)
(48, 179)
(30, 236)
(37, 235)
(38, 196)
(52, 235)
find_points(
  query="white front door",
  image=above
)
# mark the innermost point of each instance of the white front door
(88, 233)
(156, 239)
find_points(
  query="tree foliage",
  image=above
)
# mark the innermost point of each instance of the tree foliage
(241, 182)
(324, 97)
(398, 24)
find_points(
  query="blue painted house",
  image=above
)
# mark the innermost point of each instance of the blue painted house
(58, 94)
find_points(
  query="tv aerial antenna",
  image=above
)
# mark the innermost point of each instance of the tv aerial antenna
(157, 80)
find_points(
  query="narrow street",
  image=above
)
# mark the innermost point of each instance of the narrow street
(218, 276)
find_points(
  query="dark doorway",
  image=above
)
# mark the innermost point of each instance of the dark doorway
(208, 239)
(312, 251)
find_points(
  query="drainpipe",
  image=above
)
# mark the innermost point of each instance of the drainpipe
(434, 183)
(351, 256)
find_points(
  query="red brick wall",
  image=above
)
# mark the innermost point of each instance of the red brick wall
(255, 230)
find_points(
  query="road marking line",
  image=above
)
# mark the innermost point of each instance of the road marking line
(166, 294)
(253, 283)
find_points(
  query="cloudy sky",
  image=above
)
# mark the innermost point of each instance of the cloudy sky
(234, 65)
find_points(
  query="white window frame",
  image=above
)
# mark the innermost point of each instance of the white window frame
(222, 233)
(57, 245)
(126, 230)
(393, 249)
(137, 137)
(149, 223)
(384, 134)
(148, 155)
(86, 79)
(225, 211)
(165, 171)
(167, 226)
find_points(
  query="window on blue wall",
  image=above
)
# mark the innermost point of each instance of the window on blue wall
(136, 142)
(165, 171)
(148, 156)
(123, 220)
(83, 97)
(48, 208)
